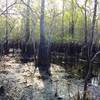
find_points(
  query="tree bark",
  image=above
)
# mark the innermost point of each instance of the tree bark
(72, 23)
(6, 43)
(27, 28)
(43, 56)
(90, 50)
(85, 22)
(62, 35)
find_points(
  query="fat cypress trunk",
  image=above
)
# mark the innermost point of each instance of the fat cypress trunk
(43, 55)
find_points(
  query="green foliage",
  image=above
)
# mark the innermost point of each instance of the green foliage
(53, 20)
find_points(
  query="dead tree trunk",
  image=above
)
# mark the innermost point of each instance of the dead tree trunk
(90, 49)
(6, 43)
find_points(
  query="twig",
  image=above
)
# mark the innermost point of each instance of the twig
(8, 7)
(95, 56)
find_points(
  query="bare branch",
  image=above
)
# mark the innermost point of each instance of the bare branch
(8, 7)
(28, 7)
(93, 58)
